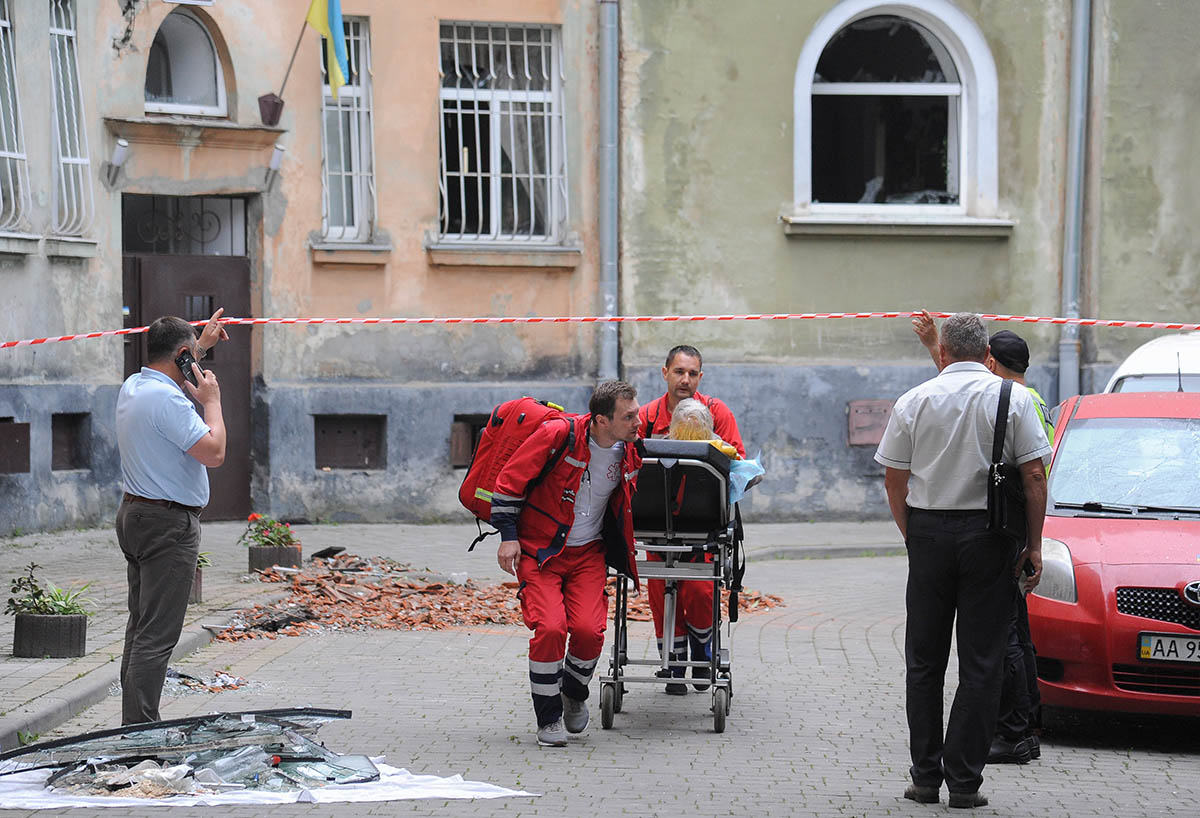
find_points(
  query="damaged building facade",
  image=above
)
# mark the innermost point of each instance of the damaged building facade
(816, 156)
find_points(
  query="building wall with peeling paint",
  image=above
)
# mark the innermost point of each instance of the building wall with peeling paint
(420, 378)
(708, 126)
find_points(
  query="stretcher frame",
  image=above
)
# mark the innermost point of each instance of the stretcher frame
(687, 555)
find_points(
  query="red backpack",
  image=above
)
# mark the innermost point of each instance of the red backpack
(510, 424)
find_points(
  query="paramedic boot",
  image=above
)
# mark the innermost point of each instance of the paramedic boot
(552, 735)
(575, 714)
(701, 652)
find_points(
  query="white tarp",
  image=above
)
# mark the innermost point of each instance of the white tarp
(26, 791)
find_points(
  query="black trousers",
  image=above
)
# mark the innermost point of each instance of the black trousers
(960, 579)
(160, 546)
(1019, 697)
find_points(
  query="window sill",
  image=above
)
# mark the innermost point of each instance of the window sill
(173, 129)
(71, 247)
(490, 255)
(843, 224)
(361, 253)
(19, 244)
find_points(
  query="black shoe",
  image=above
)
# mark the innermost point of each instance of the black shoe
(922, 795)
(1009, 752)
(1035, 746)
(704, 673)
(967, 800)
(676, 689)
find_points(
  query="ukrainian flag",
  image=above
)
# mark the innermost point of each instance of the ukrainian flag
(326, 17)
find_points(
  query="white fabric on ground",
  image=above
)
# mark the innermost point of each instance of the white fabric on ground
(26, 791)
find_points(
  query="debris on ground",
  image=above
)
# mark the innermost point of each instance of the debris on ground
(347, 592)
(638, 607)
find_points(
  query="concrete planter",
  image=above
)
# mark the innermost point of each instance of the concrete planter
(263, 557)
(197, 594)
(57, 637)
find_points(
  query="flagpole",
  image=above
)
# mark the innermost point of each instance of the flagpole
(292, 61)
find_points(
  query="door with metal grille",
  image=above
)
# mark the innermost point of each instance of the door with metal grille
(192, 287)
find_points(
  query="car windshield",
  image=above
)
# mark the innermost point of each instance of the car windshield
(1157, 383)
(1127, 465)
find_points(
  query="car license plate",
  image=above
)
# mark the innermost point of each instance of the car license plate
(1169, 647)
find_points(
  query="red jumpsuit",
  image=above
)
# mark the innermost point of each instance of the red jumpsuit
(562, 589)
(694, 602)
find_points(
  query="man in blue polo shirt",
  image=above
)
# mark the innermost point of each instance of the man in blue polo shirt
(165, 446)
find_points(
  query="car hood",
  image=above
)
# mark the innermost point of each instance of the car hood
(1128, 541)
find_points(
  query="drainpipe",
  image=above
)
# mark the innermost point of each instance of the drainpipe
(609, 181)
(1068, 344)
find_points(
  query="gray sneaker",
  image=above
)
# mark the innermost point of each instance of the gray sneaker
(552, 735)
(575, 714)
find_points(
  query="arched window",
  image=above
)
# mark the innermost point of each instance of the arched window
(183, 73)
(895, 113)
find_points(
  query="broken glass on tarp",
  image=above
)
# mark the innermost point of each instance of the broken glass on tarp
(267, 749)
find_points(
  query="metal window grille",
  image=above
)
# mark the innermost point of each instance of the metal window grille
(503, 170)
(14, 170)
(348, 143)
(73, 189)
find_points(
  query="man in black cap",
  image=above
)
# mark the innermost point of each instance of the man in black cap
(1015, 741)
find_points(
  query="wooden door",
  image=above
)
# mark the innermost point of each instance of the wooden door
(192, 287)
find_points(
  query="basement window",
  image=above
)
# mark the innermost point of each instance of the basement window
(350, 442)
(464, 436)
(70, 433)
(14, 446)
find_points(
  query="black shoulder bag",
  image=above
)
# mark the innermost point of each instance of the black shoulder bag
(1005, 493)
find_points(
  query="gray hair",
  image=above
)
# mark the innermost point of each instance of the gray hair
(691, 420)
(964, 337)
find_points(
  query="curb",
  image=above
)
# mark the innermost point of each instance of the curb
(824, 552)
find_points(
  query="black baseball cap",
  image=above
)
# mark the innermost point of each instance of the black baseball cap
(1010, 350)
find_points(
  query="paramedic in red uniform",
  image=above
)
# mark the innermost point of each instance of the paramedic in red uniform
(558, 536)
(694, 611)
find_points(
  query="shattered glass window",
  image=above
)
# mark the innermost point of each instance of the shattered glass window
(1132, 465)
(271, 749)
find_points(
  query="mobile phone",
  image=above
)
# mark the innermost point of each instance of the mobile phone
(184, 362)
(1028, 568)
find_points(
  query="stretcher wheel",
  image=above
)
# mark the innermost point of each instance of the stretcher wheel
(720, 708)
(618, 696)
(607, 701)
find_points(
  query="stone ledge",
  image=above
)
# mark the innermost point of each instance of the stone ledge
(375, 255)
(930, 226)
(19, 244)
(71, 247)
(458, 255)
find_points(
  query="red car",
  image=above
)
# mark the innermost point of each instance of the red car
(1116, 618)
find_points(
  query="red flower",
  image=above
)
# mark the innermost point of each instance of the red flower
(254, 517)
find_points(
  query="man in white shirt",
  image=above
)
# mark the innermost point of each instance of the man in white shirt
(165, 447)
(936, 449)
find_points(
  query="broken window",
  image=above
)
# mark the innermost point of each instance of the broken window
(267, 749)
(885, 116)
(503, 172)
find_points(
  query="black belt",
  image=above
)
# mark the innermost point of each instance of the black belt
(133, 498)
(949, 512)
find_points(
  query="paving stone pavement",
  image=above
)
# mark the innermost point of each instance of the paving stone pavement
(816, 728)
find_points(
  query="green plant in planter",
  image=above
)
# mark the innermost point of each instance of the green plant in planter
(262, 530)
(204, 559)
(29, 597)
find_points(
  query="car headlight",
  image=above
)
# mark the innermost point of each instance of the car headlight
(1058, 572)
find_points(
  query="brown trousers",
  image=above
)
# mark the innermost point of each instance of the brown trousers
(160, 546)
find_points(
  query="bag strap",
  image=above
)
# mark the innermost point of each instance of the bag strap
(1001, 422)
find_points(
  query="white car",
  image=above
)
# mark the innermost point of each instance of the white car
(1167, 364)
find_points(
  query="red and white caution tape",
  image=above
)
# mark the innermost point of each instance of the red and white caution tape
(623, 319)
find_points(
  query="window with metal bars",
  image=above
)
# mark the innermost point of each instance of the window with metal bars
(14, 170)
(348, 143)
(503, 169)
(72, 188)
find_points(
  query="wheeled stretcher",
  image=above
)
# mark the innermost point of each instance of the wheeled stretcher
(682, 514)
